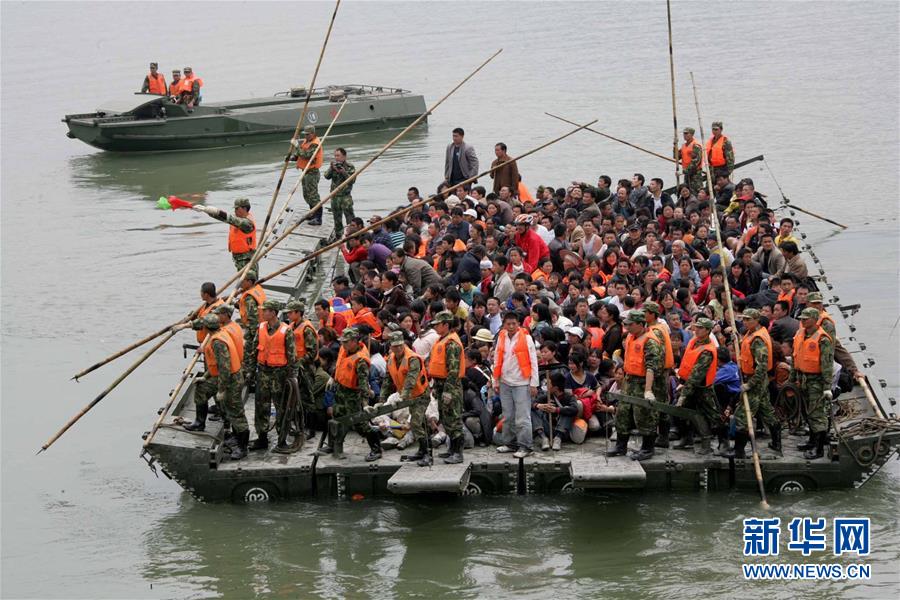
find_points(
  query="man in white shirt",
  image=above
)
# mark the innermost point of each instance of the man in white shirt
(516, 380)
(493, 316)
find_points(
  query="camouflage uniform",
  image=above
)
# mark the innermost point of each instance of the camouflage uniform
(450, 413)
(306, 368)
(250, 328)
(728, 150)
(693, 174)
(644, 419)
(758, 392)
(341, 204)
(420, 403)
(698, 395)
(348, 401)
(812, 386)
(246, 226)
(271, 381)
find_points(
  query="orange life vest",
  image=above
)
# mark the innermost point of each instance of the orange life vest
(234, 357)
(715, 150)
(807, 353)
(597, 334)
(259, 295)
(187, 83)
(156, 85)
(524, 194)
(459, 246)
(399, 372)
(747, 366)
(520, 350)
(299, 338)
(270, 351)
(316, 158)
(240, 242)
(824, 316)
(691, 354)
(687, 154)
(237, 336)
(788, 297)
(366, 316)
(669, 360)
(634, 355)
(205, 310)
(175, 87)
(345, 369)
(437, 363)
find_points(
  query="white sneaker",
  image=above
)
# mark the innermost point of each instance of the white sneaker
(522, 453)
(545, 443)
(557, 443)
(504, 449)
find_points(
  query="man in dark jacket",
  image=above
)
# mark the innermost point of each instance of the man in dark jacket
(508, 173)
(460, 163)
(469, 266)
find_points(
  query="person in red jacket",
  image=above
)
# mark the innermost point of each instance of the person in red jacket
(354, 253)
(534, 248)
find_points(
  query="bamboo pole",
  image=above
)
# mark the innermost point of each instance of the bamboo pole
(867, 389)
(787, 202)
(730, 307)
(615, 139)
(104, 393)
(672, 78)
(414, 206)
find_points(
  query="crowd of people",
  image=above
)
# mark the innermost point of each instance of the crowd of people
(527, 320)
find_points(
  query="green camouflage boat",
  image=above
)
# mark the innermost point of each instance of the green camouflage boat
(155, 124)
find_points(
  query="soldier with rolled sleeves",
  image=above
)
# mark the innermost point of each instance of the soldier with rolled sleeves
(276, 360)
(407, 377)
(643, 363)
(698, 373)
(338, 172)
(812, 371)
(250, 306)
(306, 342)
(447, 367)
(756, 362)
(719, 152)
(352, 394)
(242, 230)
(309, 155)
(692, 160)
(210, 302)
(841, 355)
(661, 383)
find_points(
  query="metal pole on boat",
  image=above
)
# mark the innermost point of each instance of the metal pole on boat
(615, 139)
(672, 78)
(309, 92)
(730, 309)
(410, 208)
(105, 392)
(787, 202)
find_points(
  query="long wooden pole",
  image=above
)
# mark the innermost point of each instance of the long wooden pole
(672, 78)
(186, 373)
(104, 393)
(787, 202)
(309, 92)
(730, 307)
(414, 206)
(615, 139)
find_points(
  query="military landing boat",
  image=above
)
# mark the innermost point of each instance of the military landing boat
(153, 123)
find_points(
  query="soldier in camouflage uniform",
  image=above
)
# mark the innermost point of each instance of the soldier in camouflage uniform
(242, 234)
(756, 386)
(305, 152)
(275, 355)
(661, 380)
(420, 403)
(695, 393)
(693, 172)
(249, 303)
(306, 360)
(443, 368)
(352, 395)
(727, 150)
(342, 204)
(225, 386)
(812, 372)
(841, 355)
(649, 359)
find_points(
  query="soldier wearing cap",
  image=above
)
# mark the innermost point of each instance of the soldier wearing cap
(309, 155)
(643, 363)
(210, 301)
(273, 349)
(691, 160)
(154, 82)
(223, 312)
(756, 362)
(447, 367)
(697, 372)
(812, 370)
(406, 376)
(306, 342)
(841, 355)
(250, 307)
(190, 89)
(175, 86)
(242, 230)
(660, 384)
(338, 172)
(719, 152)
(352, 395)
(222, 379)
